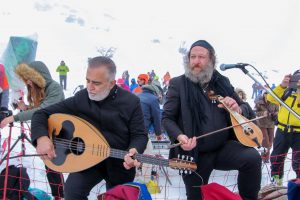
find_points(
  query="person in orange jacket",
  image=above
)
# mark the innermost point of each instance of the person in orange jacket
(143, 79)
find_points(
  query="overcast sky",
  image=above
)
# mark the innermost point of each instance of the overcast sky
(147, 34)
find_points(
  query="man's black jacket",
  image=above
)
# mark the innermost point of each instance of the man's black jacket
(178, 119)
(118, 117)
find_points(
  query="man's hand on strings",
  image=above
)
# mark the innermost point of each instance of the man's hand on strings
(231, 104)
(45, 147)
(129, 162)
(187, 144)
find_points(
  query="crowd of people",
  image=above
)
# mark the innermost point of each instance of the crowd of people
(182, 107)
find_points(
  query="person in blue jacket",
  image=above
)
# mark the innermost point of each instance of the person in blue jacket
(151, 109)
(133, 84)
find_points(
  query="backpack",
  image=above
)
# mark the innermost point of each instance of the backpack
(17, 183)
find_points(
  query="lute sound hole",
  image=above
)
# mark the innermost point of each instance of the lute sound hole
(77, 146)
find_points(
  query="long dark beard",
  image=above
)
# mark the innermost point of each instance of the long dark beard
(203, 77)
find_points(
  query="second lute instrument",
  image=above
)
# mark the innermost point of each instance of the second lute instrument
(247, 133)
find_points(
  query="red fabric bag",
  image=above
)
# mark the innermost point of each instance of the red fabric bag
(121, 192)
(214, 191)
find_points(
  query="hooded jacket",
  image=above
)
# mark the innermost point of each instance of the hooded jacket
(151, 109)
(62, 70)
(133, 85)
(38, 73)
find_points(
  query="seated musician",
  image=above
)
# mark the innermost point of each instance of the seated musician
(188, 113)
(116, 113)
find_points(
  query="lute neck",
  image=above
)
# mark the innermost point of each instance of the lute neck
(116, 153)
(235, 114)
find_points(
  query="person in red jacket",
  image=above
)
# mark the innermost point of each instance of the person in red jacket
(4, 93)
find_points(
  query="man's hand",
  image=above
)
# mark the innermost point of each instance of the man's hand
(128, 161)
(231, 104)
(6, 121)
(46, 148)
(286, 80)
(187, 144)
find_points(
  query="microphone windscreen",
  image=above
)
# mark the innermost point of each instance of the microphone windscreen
(223, 67)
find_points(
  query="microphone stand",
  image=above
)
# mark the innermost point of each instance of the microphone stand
(270, 92)
(22, 137)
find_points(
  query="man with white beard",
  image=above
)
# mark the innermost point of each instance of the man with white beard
(115, 112)
(188, 113)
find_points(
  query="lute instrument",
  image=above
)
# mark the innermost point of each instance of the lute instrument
(247, 133)
(79, 146)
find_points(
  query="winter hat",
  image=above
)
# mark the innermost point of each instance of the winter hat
(26, 72)
(204, 44)
(145, 77)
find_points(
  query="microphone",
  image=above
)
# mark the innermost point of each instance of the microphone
(224, 67)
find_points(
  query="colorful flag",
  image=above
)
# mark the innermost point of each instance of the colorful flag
(18, 50)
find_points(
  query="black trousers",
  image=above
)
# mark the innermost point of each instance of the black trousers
(56, 182)
(78, 185)
(232, 156)
(282, 143)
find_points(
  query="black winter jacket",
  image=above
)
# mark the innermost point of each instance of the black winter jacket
(177, 117)
(118, 117)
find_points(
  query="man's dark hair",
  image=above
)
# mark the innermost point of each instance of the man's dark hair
(100, 61)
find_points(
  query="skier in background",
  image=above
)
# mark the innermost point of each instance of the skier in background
(62, 69)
